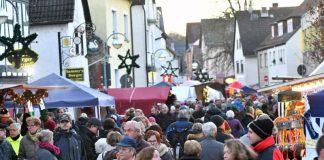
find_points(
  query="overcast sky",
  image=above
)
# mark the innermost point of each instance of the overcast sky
(177, 13)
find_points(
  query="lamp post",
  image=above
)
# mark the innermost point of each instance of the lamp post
(162, 57)
(117, 44)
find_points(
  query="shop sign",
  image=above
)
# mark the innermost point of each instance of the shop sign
(75, 74)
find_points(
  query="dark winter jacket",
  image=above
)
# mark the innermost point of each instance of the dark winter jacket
(27, 149)
(198, 114)
(267, 150)
(89, 139)
(222, 137)
(140, 144)
(165, 152)
(44, 154)
(236, 127)
(164, 120)
(211, 149)
(70, 144)
(6, 151)
(189, 158)
(246, 120)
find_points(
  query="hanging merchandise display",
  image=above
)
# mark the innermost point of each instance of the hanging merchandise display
(23, 56)
(126, 59)
(290, 137)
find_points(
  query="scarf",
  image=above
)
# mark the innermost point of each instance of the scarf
(15, 138)
(52, 148)
(308, 124)
(33, 137)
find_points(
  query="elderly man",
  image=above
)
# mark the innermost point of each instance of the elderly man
(164, 118)
(28, 147)
(211, 149)
(126, 149)
(68, 140)
(6, 150)
(134, 129)
(14, 136)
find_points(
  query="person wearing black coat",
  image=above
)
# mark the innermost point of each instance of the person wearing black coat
(6, 150)
(46, 150)
(165, 118)
(88, 134)
(68, 140)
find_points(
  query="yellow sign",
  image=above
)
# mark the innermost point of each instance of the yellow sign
(26, 59)
(75, 74)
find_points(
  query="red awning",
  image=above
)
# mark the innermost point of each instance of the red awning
(142, 98)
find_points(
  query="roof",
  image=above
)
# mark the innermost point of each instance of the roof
(302, 8)
(254, 29)
(51, 11)
(217, 31)
(192, 33)
(276, 41)
(294, 82)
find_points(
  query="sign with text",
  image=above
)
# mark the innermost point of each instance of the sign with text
(75, 74)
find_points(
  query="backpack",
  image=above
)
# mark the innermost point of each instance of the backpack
(177, 139)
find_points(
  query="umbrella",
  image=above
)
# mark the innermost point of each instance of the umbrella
(190, 83)
(286, 96)
(236, 85)
(247, 90)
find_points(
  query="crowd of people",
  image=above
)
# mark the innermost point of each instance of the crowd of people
(236, 129)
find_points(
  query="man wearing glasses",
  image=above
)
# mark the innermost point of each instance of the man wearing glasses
(68, 140)
(6, 150)
(28, 146)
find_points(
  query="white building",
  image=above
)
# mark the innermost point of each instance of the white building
(280, 54)
(149, 41)
(60, 44)
(251, 28)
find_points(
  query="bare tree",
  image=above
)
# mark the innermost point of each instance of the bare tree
(315, 36)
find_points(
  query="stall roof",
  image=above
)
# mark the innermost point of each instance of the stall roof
(294, 82)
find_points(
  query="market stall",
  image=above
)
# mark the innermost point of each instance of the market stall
(290, 136)
(142, 97)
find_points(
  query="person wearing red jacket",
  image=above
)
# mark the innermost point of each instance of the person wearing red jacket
(261, 139)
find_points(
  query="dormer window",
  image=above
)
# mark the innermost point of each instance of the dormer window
(290, 25)
(280, 29)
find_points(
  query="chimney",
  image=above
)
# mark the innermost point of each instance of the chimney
(275, 5)
(264, 12)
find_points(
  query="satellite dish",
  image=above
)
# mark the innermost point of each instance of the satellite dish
(126, 81)
(301, 70)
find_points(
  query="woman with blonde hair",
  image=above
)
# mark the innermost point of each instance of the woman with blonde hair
(148, 153)
(236, 150)
(192, 150)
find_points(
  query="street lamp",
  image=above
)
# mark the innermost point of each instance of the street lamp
(117, 44)
(162, 57)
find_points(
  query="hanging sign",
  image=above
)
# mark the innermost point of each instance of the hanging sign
(75, 74)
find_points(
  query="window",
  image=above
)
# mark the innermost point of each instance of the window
(237, 67)
(126, 25)
(242, 67)
(114, 18)
(289, 25)
(270, 61)
(240, 44)
(272, 31)
(283, 56)
(274, 58)
(280, 29)
(260, 61)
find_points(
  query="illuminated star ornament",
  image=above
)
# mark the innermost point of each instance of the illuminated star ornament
(19, 57)
(124, 63)
(169, 70)
(202, 77)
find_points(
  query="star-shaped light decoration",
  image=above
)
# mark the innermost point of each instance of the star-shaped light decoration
(202, 77)
(24, 55)
(126, 65)
(169, 70)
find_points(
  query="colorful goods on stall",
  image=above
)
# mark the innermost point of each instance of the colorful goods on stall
(290, 136)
